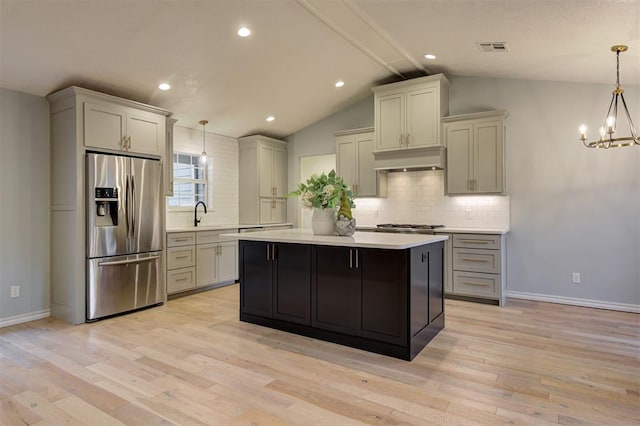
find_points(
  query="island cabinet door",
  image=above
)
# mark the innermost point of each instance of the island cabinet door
(292, 283)
(426, 285)
(381, 295)
(256, 278)
(333, 289)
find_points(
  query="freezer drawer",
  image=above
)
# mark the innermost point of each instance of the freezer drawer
(123, 283)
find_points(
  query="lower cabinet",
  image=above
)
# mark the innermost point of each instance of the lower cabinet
(381, 300)
(360, 292)
(275, 280)
(199, 259)
(475, 266)
(216, 262)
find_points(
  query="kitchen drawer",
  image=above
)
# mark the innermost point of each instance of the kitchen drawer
(181, 257)
(476, 284)
(206, 237)
(181, 279)
(175, 239)
(478, 241)
(476, 260)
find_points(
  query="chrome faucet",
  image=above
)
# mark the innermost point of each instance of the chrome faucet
(196, 221)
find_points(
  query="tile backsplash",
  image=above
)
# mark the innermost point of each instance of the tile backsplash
(418, 197)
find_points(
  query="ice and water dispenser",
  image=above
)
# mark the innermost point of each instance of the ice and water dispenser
(106, 208)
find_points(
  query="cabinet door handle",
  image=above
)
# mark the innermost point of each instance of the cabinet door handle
(182, 279)
(474, 259)
(406, 140)
(182, 257)
(350, 258)
(476, 283)
(400, 139)
(128, 141)
(273, 252)
(475, 241)
(267, 252)
(183, 239)
(357, 259)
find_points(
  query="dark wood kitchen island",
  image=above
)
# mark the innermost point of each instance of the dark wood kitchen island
(374, 291)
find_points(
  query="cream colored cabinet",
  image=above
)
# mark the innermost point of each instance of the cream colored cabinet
(216, 263)
(408, 113)
(475, 266)
(475, 153)
(181, 262)
(168, 164)
(216, 257)
(273, 170)
(200, 259)
(263, 180)
(273, 210)
(120, 128)
(354, 163)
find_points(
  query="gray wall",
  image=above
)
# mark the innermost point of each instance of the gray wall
(24, 203)
(319, 138)
(573, 209)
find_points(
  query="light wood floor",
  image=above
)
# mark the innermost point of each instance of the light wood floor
(192, 362)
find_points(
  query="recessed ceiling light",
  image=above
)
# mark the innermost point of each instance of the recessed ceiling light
(339, 83)
(164, 86)
(244, 32)
(430, 56)
(270, 118)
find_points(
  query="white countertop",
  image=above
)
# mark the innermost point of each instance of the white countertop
(359, 239)
(453, 229)
(222, 227)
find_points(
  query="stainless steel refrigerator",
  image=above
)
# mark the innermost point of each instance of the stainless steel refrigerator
(124, 234)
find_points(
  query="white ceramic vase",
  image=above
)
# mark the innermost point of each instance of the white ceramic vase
(323, 221)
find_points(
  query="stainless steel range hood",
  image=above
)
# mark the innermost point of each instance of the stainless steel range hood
(410, 159)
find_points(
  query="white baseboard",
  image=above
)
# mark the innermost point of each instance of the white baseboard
(19, 319)
(588, 303)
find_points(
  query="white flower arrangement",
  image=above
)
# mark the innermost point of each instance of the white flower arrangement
(323, 191)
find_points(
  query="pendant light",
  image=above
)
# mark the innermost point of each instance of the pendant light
(609, 127)
(203, 156)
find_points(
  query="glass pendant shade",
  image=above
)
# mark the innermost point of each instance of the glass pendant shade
(203, 157)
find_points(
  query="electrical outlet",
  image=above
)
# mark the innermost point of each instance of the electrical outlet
(15, 291)
(575, 277)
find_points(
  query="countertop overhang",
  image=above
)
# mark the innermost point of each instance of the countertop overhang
(376, 240)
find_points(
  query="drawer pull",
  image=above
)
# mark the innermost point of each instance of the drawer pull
(183, 239)
(182, 257)
(182, 279)
(475, 241)
(476, 283)
(474, 259)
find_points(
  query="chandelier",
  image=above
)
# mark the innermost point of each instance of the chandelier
(608, 129)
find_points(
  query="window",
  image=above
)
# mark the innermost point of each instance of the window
(189, 180)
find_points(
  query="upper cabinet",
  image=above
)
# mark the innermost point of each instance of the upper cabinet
(263, 180)
(121, 128)
(354, 158)
(408, 113)
(475, 153)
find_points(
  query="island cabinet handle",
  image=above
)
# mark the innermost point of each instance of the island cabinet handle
(273, 252)
(357, 254)
(474, 259)
(267, 252)
(350, 258)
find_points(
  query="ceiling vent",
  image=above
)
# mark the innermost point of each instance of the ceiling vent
(495, 46)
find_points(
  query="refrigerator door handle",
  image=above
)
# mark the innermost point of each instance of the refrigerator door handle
(127, 209)
(133, 207)
(124, 262)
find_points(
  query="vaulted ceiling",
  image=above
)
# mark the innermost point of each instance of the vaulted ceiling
(298, 50)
